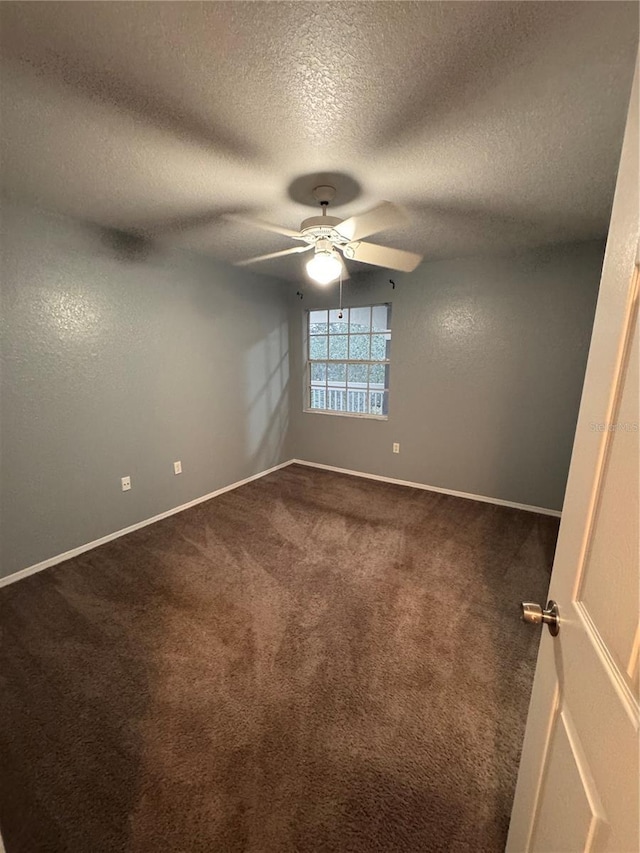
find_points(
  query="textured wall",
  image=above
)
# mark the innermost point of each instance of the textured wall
(115, 363)
(487, 363)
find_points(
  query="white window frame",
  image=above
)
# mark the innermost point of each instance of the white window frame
(347, 361)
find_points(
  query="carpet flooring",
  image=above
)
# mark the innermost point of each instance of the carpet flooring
(312, 662)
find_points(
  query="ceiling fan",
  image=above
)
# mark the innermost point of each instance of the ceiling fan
(327, 236)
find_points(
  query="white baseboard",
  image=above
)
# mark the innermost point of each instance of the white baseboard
(74, 552)
(483, 498)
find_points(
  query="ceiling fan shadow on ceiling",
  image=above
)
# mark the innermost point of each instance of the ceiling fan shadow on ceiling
(332, 239)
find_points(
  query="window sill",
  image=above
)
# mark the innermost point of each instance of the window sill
(359, 415)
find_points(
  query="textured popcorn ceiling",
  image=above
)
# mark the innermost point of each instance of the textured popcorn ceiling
(499, 125)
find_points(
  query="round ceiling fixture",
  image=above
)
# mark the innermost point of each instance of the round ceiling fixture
(325, 266)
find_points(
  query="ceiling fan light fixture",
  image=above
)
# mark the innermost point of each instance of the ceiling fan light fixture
(324, 267)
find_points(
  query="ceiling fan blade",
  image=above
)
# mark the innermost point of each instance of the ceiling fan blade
(295, 251)
(382, 256)
(379, 218)
(264, 226)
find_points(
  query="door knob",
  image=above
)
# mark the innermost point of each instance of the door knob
(534, 614)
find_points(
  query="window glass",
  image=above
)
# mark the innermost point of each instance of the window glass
(358, 374)
(348, 361)
(318, 346)
(339, 325)
(319, 372)
(378, 347)
(318, 322)
(337, 373)
(360, 347)
(360, 319)
(338, 347)
(377, 374)
(380, 318)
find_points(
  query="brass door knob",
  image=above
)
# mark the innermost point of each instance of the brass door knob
(535, 615)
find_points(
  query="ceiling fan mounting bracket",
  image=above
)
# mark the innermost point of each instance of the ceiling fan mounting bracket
(324, 194)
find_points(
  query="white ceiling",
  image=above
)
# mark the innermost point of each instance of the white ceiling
(498, 125)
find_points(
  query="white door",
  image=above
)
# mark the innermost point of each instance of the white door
(577, 786)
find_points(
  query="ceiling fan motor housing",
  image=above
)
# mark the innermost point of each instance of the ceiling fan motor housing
(317, 228)
(322, 228)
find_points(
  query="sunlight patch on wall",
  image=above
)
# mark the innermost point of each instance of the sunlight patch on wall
(267, 378)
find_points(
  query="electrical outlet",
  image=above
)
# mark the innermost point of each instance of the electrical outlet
(126, 483)
(177, 467)
(396, 447)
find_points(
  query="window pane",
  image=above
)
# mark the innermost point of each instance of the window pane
(378, 347)
(317, 398)
(378, 403)
(358, 373)
(338, 325)
(318, 346)
(377, 374)
(357, 400)
(337, 399)
(338, 346)
(360, 319)
(317, 322)
(380, 318)
(337, 373)
(319, 372)
(359, 346)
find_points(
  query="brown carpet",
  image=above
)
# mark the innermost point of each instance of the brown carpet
(312, 662)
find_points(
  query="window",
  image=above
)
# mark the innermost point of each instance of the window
(348, 361)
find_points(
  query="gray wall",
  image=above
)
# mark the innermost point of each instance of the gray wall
(115, 366)
(487, 364)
